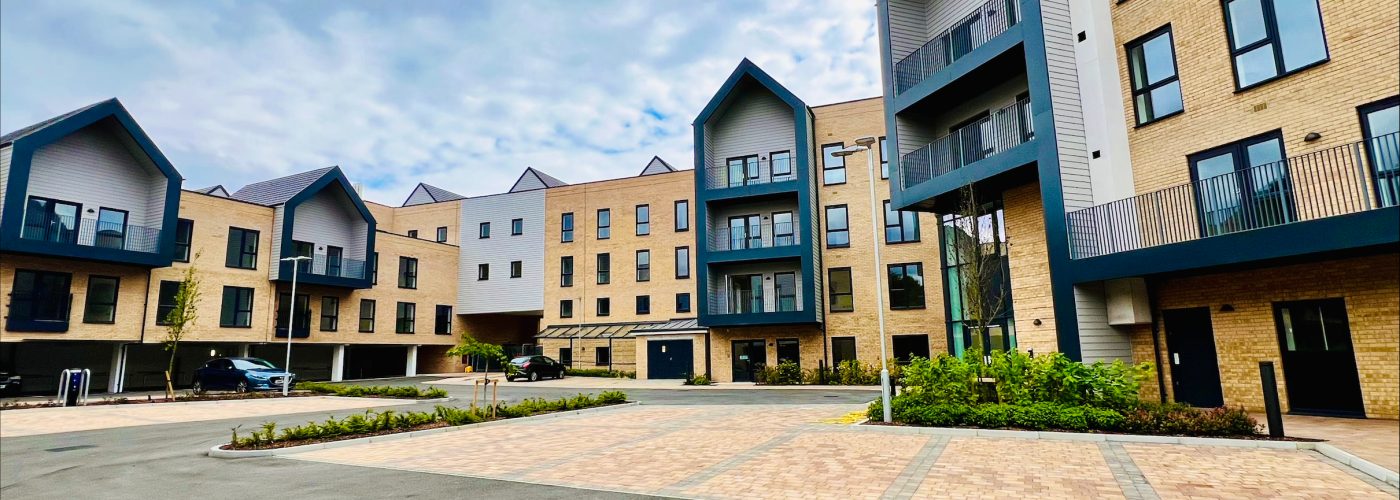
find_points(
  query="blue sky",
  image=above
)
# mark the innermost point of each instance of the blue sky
(459, 94)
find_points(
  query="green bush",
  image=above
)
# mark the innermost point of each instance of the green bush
(1018, 379)
(784, 373)
(991, 416)
(598, 372)
(355, 391)
(1143, 418)
(698, 379)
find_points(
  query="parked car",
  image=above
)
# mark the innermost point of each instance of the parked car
(240, 375)
(10, 384)
(536, 367)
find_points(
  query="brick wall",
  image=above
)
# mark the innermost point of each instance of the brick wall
(697, 349)
(809, 337)
(1030, 269)
(131, 290)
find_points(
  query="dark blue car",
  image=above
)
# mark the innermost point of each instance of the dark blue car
(240, 375)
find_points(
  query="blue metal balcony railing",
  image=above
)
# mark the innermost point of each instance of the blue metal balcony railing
(999, 131)
(342, 267)
(991, 19)
(64, 229)
(778, 234)
(1342, 180)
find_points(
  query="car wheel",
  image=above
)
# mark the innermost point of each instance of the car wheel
(241, 387)
(534, 376)
(198, 387)
(561, 374)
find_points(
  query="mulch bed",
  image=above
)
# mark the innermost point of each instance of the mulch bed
(287, 444)
(190, 398)
(1255, 437)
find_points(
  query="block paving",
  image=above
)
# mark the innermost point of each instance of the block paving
(785, 451)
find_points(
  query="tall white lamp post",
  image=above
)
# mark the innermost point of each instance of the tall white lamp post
(864, 144)
(292, 320)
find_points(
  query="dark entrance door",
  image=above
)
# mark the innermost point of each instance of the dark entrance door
(669, 358)
(1191, 354)
(749, 356)
(1319, 364)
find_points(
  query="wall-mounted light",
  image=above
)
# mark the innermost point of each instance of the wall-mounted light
(1227, 308)
(1036, 322)
(1312, 136)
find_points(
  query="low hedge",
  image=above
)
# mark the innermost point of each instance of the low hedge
(389, 421)
(1143, 418)
(598, 372)
(384, 391)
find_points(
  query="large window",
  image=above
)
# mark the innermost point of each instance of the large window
(366, 316)
(643, 265)
(838, 285)
(900, 226)
(683, 302)
(603, 307)
(1243, 185)
(833, 167)
(1272, 38)
(682, 262)
(101, 303)
(165, 300)
(302, 326)
(743, 170)
(408, 272)
(184, 238)
(566, 227)
(604, 269)
(907, 286)
(51, 220)
(643, 220)
(1380, 122)
(237, 310)
(1152, 70)
(780, 165)
(566, 271)
(643, 304)
(682, 215)
(602, 356)
(111, 228)
(604, 224)
(405, 317)
(785, 286)
(242, 248)
(975, 267)
(442, 320)
(39, 301)
(330, 314)
(334, 260)
(838, 229)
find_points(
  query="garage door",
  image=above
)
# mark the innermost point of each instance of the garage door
(669, 358)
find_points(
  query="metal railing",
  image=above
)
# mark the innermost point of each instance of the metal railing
(779, 234)
(750, 303)
(991, 19)
(999, 131)
(90, 233)
(724, 177)
(322, 265)
(1337, 181)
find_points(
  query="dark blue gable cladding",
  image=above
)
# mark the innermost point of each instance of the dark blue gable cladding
(332, 178)
(808, 251)
(25, 142)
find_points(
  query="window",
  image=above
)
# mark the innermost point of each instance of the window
(643, 220)
(302, 327)
(884, 160)
(412, 233)
(566, 271)
(838, 284)
(1380, 125)
(785, 284)
(843, 349)
(242, 248)
(237, 310)
(165, 300)
(517, 227)
(682, 262)
(908, 347)
(442, 320)
(789, 351)
(408, 272)
(566, 227)
(101, 303)
(643, 265)
(304, 249)
(1152, 69)
(1273, 38)
(643, 304)
(974, 255)
(682, 215)
(746, 294)
(907, 286)
(334, 255)
(39, 301)
(366, 316)
(838, 233)
(483, 272)
(602, 356)
(1243, 185)
(745, 231)
(604, 224)
(604, 268)
(743, 170)
(374, 268)
(111, 228)
(566, 308)
(833, 167)
(184, 237)
(782, 229)
(683, 302)
(330, 314)
(900, 226)
(516, 268)
(404, 318)
(566, 356)
(442, 234)
(51, 220)
(780, 164)
(483, 230)
(603, 305)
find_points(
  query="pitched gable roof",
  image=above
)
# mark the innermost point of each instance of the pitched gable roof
(215, 190)
(657, 166)
(424, 194)
(535, 179)
(277, 191)
(15, 135)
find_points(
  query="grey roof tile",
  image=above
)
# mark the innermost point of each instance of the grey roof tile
(277, 191)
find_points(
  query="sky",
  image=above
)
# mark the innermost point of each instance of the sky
(459, 94)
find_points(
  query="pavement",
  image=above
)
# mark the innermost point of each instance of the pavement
(1375, 440)
(33, 421)
(613, 383)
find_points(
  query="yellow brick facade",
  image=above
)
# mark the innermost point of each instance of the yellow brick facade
(131, 294)
(623, 353)
(697, 349)
(1029, 266)
(812, 349)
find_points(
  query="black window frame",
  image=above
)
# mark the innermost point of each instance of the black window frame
(1271, 37)
(442, 320)
(681, 212)
(335, 260)
(88, 303)
(642, 214)
(483, 231)
(566, 308)
(442, 234)
(566, 271)
(1146, 89)
(602, 356)
(1384, 183)
(1244, 177)
(184, 239)
(483, 272)
(24, 308)
(566, 227)
(603, 263)
(826, 226)
(749, 175)
(772, 158)
(604, 230)
(232, 309)
(643, 305)
(683, 302)
(408, 273)
(895, 305)
(827, 160)
(517, 227)
(602, 307)
(165, 300)
(367, 320)
(412, 233)
(833, 294)
(240, 252)
(643, 269)
(884, 158)
(374, 269)
(682, 262)
(405, 318)
(517, 268)
(334, 317)
(904, 226)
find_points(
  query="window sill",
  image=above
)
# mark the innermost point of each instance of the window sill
(1160, 118)
(236, 326)
(887, 243)
(86, 322)
(892, 308)
(1279, 76)
(832, 247)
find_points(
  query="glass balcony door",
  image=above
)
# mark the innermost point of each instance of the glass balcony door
(786, 288)
(51, 220)
(1381, 123)
(745, 231)
(746, 293)
(1243, 186)
(743, 170)
(111, 228)
(782, 229)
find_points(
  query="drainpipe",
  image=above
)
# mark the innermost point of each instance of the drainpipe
(1156, 343)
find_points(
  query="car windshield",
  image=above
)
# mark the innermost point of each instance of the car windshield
(520, 360)
(252, 364)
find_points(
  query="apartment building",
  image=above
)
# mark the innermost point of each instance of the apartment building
(1217, 196)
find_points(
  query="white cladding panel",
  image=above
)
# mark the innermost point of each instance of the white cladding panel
(756, 122)
(501, 293)
(330, 218)
(939, 15)
(908, 28)
(419, 196)
(527, 182)
(1098, 341)
(1065, 100)
(100, 167)
(5, 153)
(1104, 128)
(277, 217)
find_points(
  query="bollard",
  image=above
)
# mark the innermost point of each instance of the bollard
(1271, 406)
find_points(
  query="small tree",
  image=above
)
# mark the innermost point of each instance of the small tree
(979, 272)
(474, 348)
(180, 320)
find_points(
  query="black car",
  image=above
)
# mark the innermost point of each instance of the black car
(240, 374)
(535, 368)
(10, 384)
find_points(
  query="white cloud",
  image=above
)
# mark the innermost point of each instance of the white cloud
(459, 95)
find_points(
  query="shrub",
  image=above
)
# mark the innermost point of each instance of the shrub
(784, 373)
(598, 372)
(991, 415)
(855, 372)
(698, 379)
(355, 391)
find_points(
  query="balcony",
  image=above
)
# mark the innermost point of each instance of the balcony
(994, 134)
(68, 230)
(751, 303)
(774, 235)
(337, 267)
(967, 34)
(1290, 207)
(746, 175)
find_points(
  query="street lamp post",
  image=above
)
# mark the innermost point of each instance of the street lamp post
(291, 321)
(863, 144)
